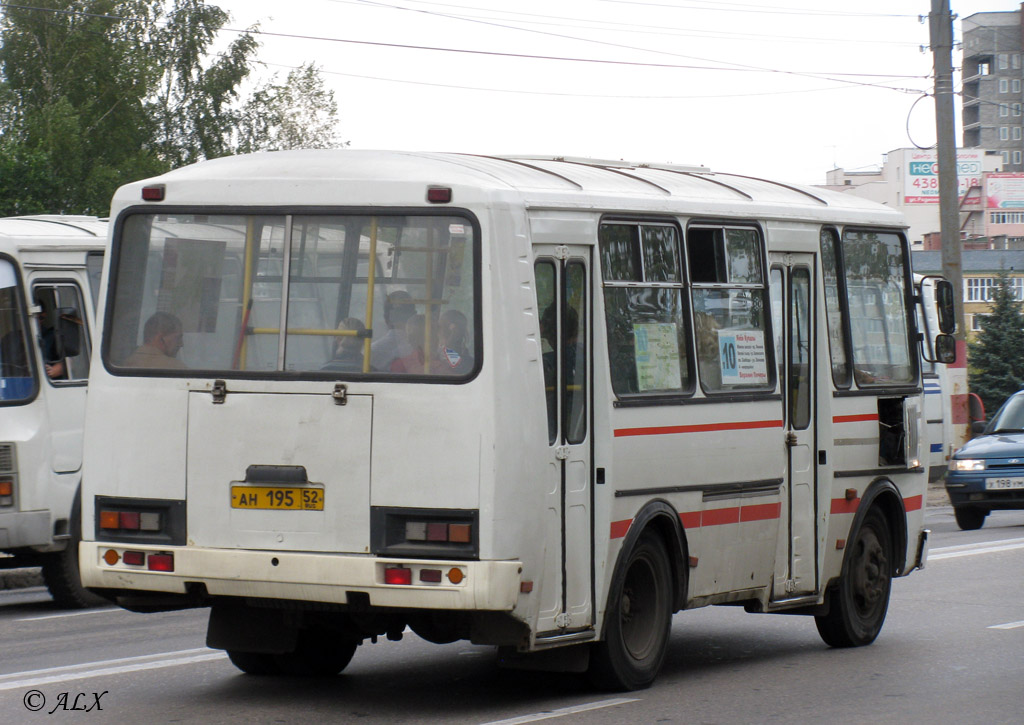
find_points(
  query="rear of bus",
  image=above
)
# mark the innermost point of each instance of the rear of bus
(289, 418)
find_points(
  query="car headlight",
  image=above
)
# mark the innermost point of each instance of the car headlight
(967, 464)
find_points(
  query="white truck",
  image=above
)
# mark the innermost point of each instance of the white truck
(49, 281)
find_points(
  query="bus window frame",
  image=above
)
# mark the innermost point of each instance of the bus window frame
(113, 270)
(86, 332)
(27, 340)
(844, 313)
(731, 394)
(861, 388)
(638, 399)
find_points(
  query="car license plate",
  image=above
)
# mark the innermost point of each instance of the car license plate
(277, 498)
(1003, 484)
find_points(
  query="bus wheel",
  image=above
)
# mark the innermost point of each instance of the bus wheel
(969, 518)
(857, 606)
(255, 663)
(60, 570)
(317, 654)
(639, 619)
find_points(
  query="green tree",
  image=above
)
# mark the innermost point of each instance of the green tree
(996, 356)
(97, 93)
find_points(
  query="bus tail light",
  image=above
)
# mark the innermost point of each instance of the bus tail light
(397, 575)
(134, 558)
(6, 492)
(160, 562)
(140, 520)
(426, 533)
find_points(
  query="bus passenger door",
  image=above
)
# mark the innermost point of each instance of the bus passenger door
(563, 302)
(792, 285)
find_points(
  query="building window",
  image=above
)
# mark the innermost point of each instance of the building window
(1016, 133)
(1006, 157)
(1004, 61)
(1004, 133)
(1004, 85)
(981, 289)
(1016, 109)
(1015, 84)
(1015, 61)
(1006, 217)
(976, 322)
(1004, 110)
(1016, 157)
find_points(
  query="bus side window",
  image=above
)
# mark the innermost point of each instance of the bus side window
(63, 335)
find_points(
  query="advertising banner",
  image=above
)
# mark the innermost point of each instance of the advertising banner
(1004, 191)
(921, 177)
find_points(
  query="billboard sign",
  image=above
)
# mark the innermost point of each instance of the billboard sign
(921, 177)
(1004, 191)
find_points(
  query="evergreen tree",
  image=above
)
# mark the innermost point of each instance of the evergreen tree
(996, 356)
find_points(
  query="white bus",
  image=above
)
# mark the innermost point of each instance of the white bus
(49, 281)
(541, 404)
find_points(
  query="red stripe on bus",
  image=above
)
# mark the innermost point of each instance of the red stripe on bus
(619, 528)
(913, 503)
(690, 519)
(854, 418)
(761, 512)
(716, 517)
(703, 428)
(844, 506)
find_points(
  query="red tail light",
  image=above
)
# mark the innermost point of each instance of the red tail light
(397, 575)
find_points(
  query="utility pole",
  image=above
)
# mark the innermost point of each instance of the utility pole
(941, 41)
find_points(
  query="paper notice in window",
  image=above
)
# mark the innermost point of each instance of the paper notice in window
(656, 348)
(743, 358)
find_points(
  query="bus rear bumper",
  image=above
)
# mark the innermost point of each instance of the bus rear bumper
(484, 585)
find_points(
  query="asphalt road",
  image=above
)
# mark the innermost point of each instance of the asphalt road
(952, 651)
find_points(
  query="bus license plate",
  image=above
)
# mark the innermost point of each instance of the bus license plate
(277, 498)
(1003, 484)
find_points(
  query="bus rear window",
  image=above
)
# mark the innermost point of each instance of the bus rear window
(16, 380)
(384, 295)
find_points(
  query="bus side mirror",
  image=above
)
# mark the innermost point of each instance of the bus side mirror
(944, 306)
(68, 332)
(945, 349)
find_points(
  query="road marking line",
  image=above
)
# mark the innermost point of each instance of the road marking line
(34, 678)
(984, 547)
(69, 614)
(1008, 625)
(548, 714)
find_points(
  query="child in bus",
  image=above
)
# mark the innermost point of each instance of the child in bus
(348, 349)
(453, 356)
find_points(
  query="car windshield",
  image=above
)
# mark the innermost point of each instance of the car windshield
(16, 380)
(1010, 418)
(338, 295)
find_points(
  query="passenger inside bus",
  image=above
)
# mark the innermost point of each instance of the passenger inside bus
(162, 338)
(348, 349)
(398, 308)
(415, 341)
(453, 355)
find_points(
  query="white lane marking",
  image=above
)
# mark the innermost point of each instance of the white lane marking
(983, 547)
(69, 614)
(34, 678)
(548, 714)
(1008, 625)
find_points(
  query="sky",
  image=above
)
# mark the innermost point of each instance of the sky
(781, 89)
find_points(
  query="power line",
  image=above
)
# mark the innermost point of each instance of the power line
(715, 6)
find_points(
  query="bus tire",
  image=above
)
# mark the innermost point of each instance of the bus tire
(317, 654)
(639, 619)
(858, 604)
(255, 663)
(60, 569)
(969, 518)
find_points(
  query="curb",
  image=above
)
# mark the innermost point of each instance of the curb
(20, 578)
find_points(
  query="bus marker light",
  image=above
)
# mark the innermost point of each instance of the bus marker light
(439, 194)
(135, 558)
(455, 575)
(111, 557)
(415, 531)
(110, 520)
(430, 575)
(459, 533)
(160, 562)
(437, 532)
(130, 520)
(154, 193)
(6, 488)
(397, 575)
(525, 587)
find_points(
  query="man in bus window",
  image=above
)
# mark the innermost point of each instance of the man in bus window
(348, 349)
(162, 338)
(398, 308)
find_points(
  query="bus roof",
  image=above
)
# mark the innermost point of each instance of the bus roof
(30, 232)
(311, 178)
